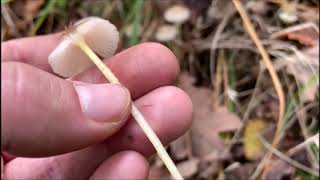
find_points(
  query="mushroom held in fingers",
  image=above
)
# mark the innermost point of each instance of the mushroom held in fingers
(101, 36)
(88, 37)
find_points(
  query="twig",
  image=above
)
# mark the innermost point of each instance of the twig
(292, 119)
(215, 40)
(252, 103)
(275, 79)
(108, 9)
(150, 30)
(230, 43)
(225, 77)
(216, 83)
(286, 158)
(313, 139)
(305, 133)
(80, 42)
(7, 18)
(294, 28)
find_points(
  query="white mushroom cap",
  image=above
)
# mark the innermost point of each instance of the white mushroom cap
(177, 14)
(102, 36)
(166, 33)
(288, 16)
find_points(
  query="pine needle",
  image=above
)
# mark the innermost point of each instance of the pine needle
(275, 79)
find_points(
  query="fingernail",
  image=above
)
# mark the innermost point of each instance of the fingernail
(104, 102)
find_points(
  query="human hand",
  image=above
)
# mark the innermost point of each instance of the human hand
(46, 116)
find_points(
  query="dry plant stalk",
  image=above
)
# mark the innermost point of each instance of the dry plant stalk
(287, 159)
(79, 41)
(275, 79)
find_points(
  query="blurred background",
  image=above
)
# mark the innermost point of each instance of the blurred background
(236, 107)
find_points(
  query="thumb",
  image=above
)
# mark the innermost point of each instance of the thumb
(44, 115)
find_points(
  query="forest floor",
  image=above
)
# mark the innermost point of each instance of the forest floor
(237, 90)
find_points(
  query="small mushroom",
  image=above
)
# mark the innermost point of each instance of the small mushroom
(101, 36)
(177, 14)
(166, 33)
(288, 16)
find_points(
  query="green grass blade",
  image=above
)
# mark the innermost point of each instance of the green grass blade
(43, 14)
(295, 98)
(136, 22)
(5, 1)
(232, 80)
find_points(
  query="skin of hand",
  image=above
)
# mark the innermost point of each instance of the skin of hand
(80, 127)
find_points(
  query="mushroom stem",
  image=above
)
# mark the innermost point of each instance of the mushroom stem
(80, 42)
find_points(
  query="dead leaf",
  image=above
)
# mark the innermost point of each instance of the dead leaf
(268, 110)
(188, 168)
(207, 124)
(158, 173)
(307, 36)
(309, 14)
(179, 148)
(258, 7)
(32, 8)
(208, 170)
(252, 146)
(279, 170)
(242, 172)
(205, 131)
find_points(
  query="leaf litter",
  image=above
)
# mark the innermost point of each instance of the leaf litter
(201, 153)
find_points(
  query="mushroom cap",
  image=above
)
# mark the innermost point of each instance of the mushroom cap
(177, 14)
(288, 16)
(102, 37)
(166, 33)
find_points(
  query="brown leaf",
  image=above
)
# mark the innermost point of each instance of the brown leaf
(206, 171)
(241, 172)
(206, 129)
(207, 124)
(309, 15)
(158, 173)
(179, 148)
(307, 36)
(268, 110)
(258, 7)
(188, 168)
(279, 170)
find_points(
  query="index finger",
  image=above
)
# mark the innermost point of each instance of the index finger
(31, 50)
